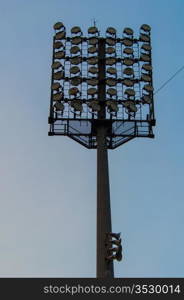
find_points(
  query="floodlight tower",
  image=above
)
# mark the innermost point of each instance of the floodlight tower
(102, 97)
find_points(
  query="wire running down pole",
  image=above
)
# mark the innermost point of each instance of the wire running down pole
(104, 267)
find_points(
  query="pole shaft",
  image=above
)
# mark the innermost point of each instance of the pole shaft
(104, 267)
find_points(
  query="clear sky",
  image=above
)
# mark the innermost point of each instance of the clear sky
(48, 184)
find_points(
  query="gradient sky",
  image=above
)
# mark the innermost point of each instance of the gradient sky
(48, 184)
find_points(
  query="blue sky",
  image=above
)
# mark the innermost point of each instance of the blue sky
(48, 184)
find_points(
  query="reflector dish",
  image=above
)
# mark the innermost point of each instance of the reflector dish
(74, 49)
(92, 29)
(55, 86)
(77, 105)
(128, 51)
(110, 61)
(57, 97)
(146, 47)
(128, 62)
(92, 91)
(145, 27)
(59, 106)
(130, 106)
(111, 91)
(58, 25)
(94, 105)
(60, 35)
(92, 81)
(111, 82)
(145, 77)
(76, 60)
(144, 37)
(110, 41)
(75, 29)
(145, 57)
(59, 54)
(128, 82)
(92, 50)
(76, 81)
(73, 91)
(148, 88)
(147, 99)
(76, 40)
(56, 65)
(128, 31)
(93, 41)
(57, 45)
(111, 30)
(110, 50)
(74, 70)
(127, 42)
(111, 70)
(58, 75)
(128, 71)
(93, 70)
(130, 92)
(92, 60)
(113, 106)
(147, 67)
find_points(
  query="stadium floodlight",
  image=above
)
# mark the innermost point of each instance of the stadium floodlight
(102, 97)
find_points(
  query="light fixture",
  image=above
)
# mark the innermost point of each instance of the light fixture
(147, 67)
(145, 57)
(148, 88)
(110, 61)
(92, 49)
(128, 61)
(146, 99)
(111, 30)
(146, 47)
(110, 41)
(128, 51)
(93, 60)
(56, 65)
(74, 49)
(111, 82)
(110, 50)
(111, 91)
(145, 27)
(144, 38)
(128, 82)
(112, 71)
(127, 42)
(57, 97)
(130, 106)
(92, 81)
(113, 106)
(74, 70)
(92, 30)
(93, 41)
(59, 54)
(76, 60)
(57, 45)
(76, 40)
(128, 71)
(58, 25)
(58, 75)
(60, 35)
(76, 81)
(145, 77)
(130, 92)
(75, 30)
(73, 91)
(56, 86)
(77, 105)
(128, 31)
(59, 106)
(94, 105)
(93, 70)
(92, 91)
